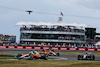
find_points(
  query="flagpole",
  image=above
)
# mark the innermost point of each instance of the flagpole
(60, 18)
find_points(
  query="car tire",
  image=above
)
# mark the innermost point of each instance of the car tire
(19, 58)
(19, 55)
(58, 54)
(93, 57)
(78, 57)
(45, 58)
(35, 57)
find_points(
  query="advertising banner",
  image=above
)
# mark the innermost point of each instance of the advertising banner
(81, 49)
(73, 49)
(37, 47)
(2, 47)
(28, 47)
(20, 47)
(98, 49)
(91, 49)
(11, 47)
(46, 48)
(63, 48)
(54, 48)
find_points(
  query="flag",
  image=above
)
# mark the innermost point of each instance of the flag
(60, 18)
(61, 13)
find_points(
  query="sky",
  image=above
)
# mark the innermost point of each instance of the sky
(74, 11)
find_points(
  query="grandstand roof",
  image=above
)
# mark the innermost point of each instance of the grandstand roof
(51, 24)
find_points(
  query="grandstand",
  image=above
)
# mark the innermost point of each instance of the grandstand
(51, 33)
(7, 39)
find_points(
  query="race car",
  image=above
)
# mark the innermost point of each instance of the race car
(32, 55)
(86, 56)
(49, 52)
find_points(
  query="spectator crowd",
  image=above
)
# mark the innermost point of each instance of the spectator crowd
(50, 45)
(59, 28)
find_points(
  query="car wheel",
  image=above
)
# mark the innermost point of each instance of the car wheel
(45, 58)
(19, 58)
(30, 57)
(19, 55)
(93, 57)
(35, 57)
(78, 57)
(57, 54)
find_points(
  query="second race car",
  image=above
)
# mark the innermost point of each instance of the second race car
(49, 52)
(86, 56)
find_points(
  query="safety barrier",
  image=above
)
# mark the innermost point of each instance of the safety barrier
(37, 47)
(54, 48)
(44, 48)
(20, 47)
(91, 49)
(63, 48)
(11, 47)
(82, 49)
(2, 47)
(73, 49)
(98, 49)
(28, 47)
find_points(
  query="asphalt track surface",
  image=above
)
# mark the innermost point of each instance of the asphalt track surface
(61, 57)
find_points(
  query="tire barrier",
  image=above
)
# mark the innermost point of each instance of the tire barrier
(54, 48)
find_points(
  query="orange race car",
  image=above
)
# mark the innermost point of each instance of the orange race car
(49, 52)
(32, 55)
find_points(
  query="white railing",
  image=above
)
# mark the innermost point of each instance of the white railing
(53, 40)
(53, 32)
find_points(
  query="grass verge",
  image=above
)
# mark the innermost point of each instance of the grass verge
(77, 53)
(7, 56)
(50, 58)
(45, 63)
